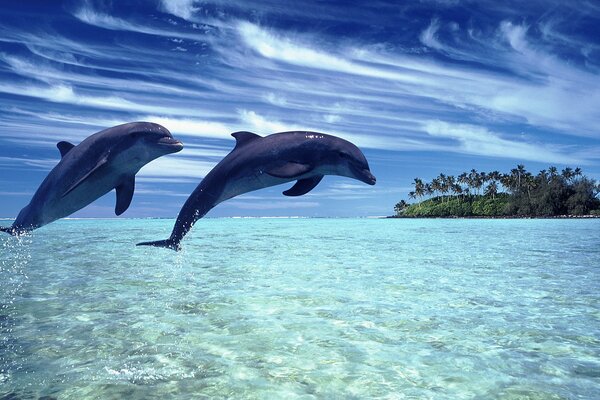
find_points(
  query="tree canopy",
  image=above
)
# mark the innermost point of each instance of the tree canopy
(516, 193)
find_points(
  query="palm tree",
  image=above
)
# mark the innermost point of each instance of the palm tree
(476, 179)
(517, 176)
(463, 179)
(543, 176)
(400, 207)
(428, 189)
(491, 189)
(568, 173)
(520, 173)
(451, 183)
(473, 177)
(435, 185)
(443, 179)
(509, 182)
(419, 188)
(458, 190)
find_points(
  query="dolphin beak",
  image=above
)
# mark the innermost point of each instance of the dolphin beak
(174, 145)
(367, 177)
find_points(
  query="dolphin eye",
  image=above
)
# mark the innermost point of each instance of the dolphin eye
(344, 155)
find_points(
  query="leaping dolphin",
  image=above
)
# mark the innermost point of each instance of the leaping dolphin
(106, 160)
(258, 162)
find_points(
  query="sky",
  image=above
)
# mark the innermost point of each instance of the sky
(422, 87)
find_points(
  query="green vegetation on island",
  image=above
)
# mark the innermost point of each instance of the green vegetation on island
(518, 193)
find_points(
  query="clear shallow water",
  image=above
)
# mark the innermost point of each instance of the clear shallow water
(303, 308)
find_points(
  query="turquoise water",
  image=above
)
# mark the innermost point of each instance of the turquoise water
(303, 308)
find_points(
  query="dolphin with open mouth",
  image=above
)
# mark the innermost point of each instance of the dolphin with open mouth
(258, 162)
(106, 160)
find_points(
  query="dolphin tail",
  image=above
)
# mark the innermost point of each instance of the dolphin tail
(9, 230)
(168, 243)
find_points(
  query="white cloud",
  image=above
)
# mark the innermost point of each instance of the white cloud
(61, 93)
(173, 166)
(181, 8)
(264, 126)
(472, 139)
(558, 95)
(282, 49)
(428, 36)
(332, 118)
(276, 100)
(36, 163)
(193, 127)
(96, 18)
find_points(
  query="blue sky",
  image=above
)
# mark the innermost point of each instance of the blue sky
(422, 87)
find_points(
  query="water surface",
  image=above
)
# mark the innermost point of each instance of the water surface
(303, 308)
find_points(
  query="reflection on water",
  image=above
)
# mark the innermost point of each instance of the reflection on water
(303, 308)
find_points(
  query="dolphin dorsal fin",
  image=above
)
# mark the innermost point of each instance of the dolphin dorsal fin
(243, 137)
(64, 147)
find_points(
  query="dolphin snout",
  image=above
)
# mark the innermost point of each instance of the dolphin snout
(173, 144)
(365, 175)
(369, 177)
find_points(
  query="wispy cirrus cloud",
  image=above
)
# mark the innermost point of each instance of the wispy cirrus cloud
(511, 85)
(479, 140)
(184, 9)
(429, 36)
(558, 84)
(91, 16)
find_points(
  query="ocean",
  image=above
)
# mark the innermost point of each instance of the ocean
(303, 309)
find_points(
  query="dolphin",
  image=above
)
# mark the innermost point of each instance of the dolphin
(106, 160)
(258, 162)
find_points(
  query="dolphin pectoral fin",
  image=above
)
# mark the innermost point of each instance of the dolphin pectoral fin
(303, 186)
(124, 194)
(289, 170)
(82, 179)
(244, 137)
(64, 147)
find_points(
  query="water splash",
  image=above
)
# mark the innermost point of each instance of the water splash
(14, 259)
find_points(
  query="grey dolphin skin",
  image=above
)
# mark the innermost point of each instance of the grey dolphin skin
(106, 160)
(258, 162)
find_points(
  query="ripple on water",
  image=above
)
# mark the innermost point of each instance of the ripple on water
(355, 309)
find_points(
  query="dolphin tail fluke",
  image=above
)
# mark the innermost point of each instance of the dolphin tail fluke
(168, 243)
(9, 229)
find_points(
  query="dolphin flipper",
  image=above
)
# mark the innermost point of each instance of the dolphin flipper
(124, 194)
(303, 186)
(80, 181)
(289, 170)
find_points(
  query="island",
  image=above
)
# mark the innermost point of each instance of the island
(516, 194)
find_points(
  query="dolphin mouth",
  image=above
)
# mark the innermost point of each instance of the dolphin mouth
(368, 177)
(171, 143)
(365, 175)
